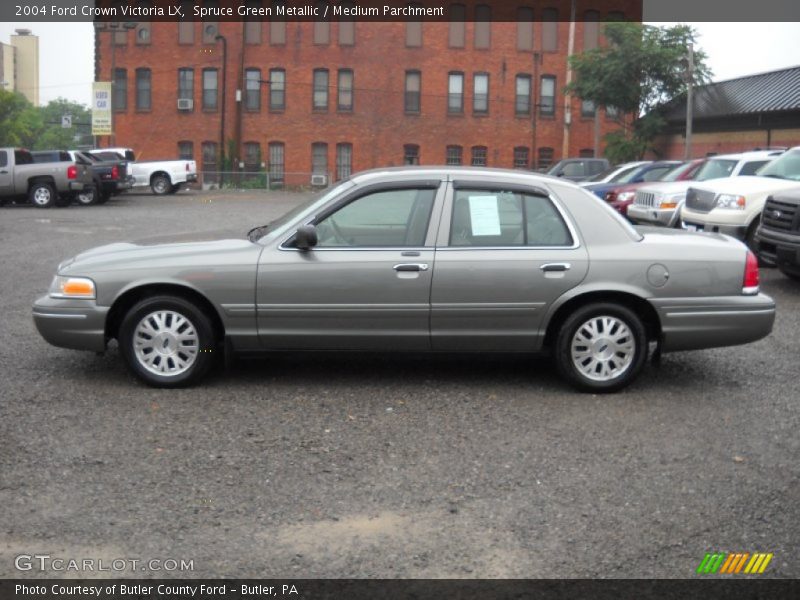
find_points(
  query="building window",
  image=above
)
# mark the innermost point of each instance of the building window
(120, 89)
(320, 101)
(209, 89)
(454, 156)
(479, 156)
(521, 160)
(483, 26)
(277, 89)
(550, 30)
(587, 108)
(185, 84)
(591, 29)
(414, 30)
(612, 112)
(586, 153)
(480, 95)
(413, 88)
(410, 154)
(210, 166)
(322, 29)
(210, 28)
(547, 95)
(252, 157)
(458, 14)
(186, 28)
(347, 27)
(252, 90)
(319, 158)
(545, 158)
(252, 26)
(277, 26)
(344, 101)
(344, 161)
(143, 89)
(276, 162)
(524, 28)
(185, 150)
(143, 27)
(455, 93)
(522, 99)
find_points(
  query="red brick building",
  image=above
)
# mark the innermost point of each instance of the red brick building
(339, 97)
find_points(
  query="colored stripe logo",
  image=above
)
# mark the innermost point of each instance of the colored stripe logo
(732, 563)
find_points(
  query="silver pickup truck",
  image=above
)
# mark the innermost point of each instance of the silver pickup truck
(42, 184)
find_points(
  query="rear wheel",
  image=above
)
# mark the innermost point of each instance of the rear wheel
(601, 347)
(42, 195)
(87, 197)
(167, 341)
(160, 184)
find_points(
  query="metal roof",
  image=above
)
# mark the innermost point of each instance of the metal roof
(775, 91)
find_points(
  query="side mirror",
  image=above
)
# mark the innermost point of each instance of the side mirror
(306, 237)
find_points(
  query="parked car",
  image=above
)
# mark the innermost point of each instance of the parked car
(522, 263)
(660, 203)
(734, 205)
(651, 171)
(578, 169)
(612, 174)
(161, 176)
(778, 235)
(108, 177)
(622, 197)
(43, 184)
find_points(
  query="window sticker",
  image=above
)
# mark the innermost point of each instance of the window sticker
(484, 215)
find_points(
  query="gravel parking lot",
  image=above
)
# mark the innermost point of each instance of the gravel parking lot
(381, 466)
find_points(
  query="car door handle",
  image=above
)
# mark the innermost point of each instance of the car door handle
(551, 267)
(411, 267)
(3, 172)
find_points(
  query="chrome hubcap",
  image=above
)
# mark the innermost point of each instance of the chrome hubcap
(161, 185)
(41, 196)
(85, 197)
(166, 343)
(603, 348)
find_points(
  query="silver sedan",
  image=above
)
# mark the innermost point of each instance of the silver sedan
(417, 259)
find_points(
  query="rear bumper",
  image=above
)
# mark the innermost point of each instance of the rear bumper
(696, 323)
(666, 217)
(192, 177)
(77, 186)
(75, 324)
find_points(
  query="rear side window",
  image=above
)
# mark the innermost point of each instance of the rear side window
(483, 218)
(751, 167)
(21, 157)
(3, 159)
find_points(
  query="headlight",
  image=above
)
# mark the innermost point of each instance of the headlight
(672, 201)
(625, 196)
(72, 287)
(730, 201)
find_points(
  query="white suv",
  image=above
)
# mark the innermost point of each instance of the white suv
(733, 205)
(660, 203)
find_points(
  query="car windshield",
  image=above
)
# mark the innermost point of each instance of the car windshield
(786, 166)
(677, 172)
(610, 175)
(256, 233)
(716, 168)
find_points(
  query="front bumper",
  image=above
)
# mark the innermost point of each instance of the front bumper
(696, 323)
(75, 324)
(737, 231)
(645, 215)
(782, 249)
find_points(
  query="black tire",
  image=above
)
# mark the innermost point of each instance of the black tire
(42, 195)
(200, 325)
(175, 188)
(578, 321)
(160, 184)
(87, 197)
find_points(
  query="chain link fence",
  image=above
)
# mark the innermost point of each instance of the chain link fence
(261, 180)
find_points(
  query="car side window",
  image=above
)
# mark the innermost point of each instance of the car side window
(3, 159)
(573, 169)
(657, 173)
(751, 167)
(389, 218)
(484, 218)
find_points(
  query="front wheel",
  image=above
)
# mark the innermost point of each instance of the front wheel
(601, 347)
(167, 341)
(161, 185)
(42, 195)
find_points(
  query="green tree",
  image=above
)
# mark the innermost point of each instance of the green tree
(20, 123)
(640, 69)
(55, 137)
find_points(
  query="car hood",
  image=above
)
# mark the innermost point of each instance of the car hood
(185, 247)
(668, 187)
(745, 184)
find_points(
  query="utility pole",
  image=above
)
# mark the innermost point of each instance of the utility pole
(687, 151)
(221, 38)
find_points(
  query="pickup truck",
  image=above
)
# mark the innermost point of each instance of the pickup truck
(108, 177)
(43, 184)
(734, 205)
(778, 236)
(162, 176)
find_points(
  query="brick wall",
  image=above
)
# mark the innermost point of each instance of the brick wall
(726, 142)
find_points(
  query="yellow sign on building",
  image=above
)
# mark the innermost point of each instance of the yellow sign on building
(101, 108)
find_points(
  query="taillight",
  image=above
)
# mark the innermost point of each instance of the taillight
(187, 167)
(750, 283)
(115, 172)
(72, 172)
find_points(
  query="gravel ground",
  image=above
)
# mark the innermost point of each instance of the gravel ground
(377, 465)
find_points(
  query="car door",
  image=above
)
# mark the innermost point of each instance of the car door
(504, 253)
(366, 284)
(6, 174)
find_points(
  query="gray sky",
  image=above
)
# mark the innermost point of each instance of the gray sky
(66, 61)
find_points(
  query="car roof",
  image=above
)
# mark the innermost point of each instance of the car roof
(450, 173)
(754, 155)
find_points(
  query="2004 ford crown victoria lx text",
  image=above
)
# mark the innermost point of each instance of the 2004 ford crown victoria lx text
(439, 259)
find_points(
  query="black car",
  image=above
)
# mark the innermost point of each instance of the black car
(778, 235)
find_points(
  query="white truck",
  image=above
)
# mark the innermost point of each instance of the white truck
(161, 176)
(733, 206)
